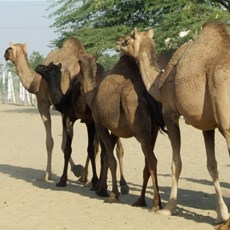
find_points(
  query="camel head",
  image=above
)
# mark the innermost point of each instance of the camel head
(49, 71)
(13, 50)
(52, 74)
(88, 63)
(133, 43)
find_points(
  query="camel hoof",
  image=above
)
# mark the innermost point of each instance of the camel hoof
(124, 189)
(223, 226)
(61, 184)
(221, 221)
(82, 180)
(154, 209)
(139, 203)
(112, 199)
(102, 193)
(77, 170)
(166, 212)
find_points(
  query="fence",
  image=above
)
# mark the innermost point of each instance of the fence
(13, 92)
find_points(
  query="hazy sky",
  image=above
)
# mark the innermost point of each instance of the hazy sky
(25, 21)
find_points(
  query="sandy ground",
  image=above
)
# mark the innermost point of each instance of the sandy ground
(27, 203)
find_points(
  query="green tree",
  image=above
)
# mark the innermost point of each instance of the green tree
(35, 59)
(99, 23)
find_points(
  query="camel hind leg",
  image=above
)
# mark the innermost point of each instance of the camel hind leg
(221, 208)
(109, 142)
(120, 155)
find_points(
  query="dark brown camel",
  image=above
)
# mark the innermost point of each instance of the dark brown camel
(128, 115)
(73, 106)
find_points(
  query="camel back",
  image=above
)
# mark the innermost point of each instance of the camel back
(208, 48)
(67, 55)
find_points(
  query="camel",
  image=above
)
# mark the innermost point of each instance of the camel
(195, 85)
(34, 83)
(73, 106)
(122, 89)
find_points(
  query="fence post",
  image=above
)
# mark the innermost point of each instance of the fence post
(3, 87)
(11, 96)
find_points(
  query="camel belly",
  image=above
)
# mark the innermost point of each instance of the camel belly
(195, 106)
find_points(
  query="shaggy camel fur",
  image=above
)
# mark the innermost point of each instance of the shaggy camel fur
(34, 83)
(73, 106)
(122, 89)
(197, 87)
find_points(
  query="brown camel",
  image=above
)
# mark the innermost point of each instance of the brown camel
(73, 106)
(34, 83)
(196, 87)
(128, 115)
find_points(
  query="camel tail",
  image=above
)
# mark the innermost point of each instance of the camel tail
(156, 112)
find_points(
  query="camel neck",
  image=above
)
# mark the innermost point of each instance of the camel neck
(89, 87)
(26, 75)
(150, 74)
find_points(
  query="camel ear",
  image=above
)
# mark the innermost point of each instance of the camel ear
(11, 44)
(25, 47)
(150, 33)
(134, 32)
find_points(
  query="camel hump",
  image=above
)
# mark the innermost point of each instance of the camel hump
(67, 53)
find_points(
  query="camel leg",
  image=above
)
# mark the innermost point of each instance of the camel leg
(84, 176)
(91, 151)
(120, 155)
(68, 126)
(43, 109)
(151, 161)
(221, 208)
(101, 186)
(176, 165)
(141, 200)
(109, 142)
(76, 169)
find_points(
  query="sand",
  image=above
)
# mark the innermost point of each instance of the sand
(29, 203)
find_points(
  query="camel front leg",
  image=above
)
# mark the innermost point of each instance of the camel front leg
(101, 186)
(68, 126)
(176, 165)
(221, 208)
(44, 111)
(76, 169)
(141, 200)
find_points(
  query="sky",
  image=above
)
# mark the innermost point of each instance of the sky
(25, 22)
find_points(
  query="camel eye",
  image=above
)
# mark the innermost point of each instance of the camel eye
(125, 43)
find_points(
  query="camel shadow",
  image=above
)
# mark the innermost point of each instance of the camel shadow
(186, 198)
(31, 176)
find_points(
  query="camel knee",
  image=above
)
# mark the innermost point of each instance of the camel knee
(176, 168)
(49, 144)
(212, 169)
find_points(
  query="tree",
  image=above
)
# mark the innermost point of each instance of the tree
(35, 59)
(99, 23)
